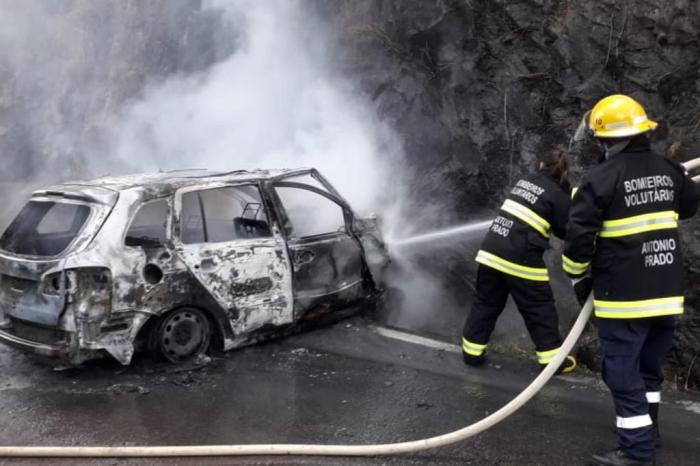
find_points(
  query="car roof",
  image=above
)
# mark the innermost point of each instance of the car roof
(170, 181)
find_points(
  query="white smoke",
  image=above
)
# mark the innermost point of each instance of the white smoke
(276, 102)
(274, 98)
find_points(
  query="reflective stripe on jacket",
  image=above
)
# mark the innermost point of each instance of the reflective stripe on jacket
(623, 226)
(527, 215)
(637, 309)
(535, 208)
(530, 273)
(639, 224)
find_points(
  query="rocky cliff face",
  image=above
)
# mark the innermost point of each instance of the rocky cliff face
(478, 87)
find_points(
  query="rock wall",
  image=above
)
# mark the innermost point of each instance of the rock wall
(478, 87)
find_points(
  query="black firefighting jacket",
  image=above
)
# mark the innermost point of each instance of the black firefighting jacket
(535, 207)
(623, 227)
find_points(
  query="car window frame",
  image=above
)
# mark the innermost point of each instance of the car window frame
(168, 225)
(71, 247)
(283, 218)
(177, 209)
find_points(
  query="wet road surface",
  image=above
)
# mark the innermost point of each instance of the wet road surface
(347, 383)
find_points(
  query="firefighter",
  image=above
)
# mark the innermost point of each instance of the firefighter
(623, 228)
(510, 262)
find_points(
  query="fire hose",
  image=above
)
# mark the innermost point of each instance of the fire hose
(332, 450)
(322, 450)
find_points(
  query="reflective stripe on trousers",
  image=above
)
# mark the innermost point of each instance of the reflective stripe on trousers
(633, 422)
(511, 268)
(528, 216)
(473, 349)
(545, 357)
(639, 309)
(624, 345)
(639, 224)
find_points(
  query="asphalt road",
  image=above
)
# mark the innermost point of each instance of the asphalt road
(346, 383)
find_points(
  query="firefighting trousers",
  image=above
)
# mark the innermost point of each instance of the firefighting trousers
(534, 301)
(632, 353)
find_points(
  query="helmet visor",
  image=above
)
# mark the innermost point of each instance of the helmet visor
(583, 128)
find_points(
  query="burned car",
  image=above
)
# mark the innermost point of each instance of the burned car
(178, 262)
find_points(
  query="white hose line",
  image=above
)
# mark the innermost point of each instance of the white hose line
(325, 450)
(692, 164)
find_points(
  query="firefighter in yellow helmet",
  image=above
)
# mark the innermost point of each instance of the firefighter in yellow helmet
(623, 230)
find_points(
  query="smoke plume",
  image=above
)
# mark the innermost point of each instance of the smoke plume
(107, 87)
(275, 102)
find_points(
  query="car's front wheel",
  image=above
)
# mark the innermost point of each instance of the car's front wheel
(183, 334)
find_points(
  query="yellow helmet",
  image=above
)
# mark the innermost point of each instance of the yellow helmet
(619, 116)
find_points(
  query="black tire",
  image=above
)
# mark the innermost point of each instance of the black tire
(183, 335)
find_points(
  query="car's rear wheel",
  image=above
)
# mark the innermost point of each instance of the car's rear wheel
(183, 334)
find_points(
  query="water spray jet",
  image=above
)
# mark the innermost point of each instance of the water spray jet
(443, 233)
(475, 227)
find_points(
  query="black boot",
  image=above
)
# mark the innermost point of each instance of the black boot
(470, 360)
(654, 414)
(619, 458)
(567, 366)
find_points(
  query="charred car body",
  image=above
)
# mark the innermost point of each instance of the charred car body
(179, 261)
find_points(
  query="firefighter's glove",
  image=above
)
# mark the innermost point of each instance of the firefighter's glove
(582, 287)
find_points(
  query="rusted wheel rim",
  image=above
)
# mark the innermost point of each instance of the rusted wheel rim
(184, 334)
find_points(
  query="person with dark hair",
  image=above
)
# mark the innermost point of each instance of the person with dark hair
(510, 262)
(623, 228)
